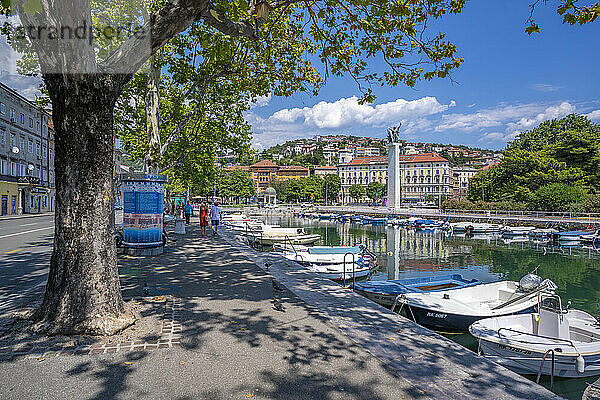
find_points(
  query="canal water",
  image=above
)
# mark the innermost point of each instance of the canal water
(405, 253)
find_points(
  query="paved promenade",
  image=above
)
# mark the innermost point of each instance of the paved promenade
(329, 343)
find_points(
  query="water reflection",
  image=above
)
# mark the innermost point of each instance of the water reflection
(404, 253)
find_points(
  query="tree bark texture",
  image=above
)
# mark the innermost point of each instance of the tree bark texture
(83, 293)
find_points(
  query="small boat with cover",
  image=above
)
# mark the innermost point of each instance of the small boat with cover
(456, 310)
(386, 292)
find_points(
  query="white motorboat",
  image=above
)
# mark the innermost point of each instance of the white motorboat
(543, 233)
(270, 235)
(459, 308)
(592, 238)
(510, 231)
(564, 343)
(234, 218)
(474, 227)
(333, 262)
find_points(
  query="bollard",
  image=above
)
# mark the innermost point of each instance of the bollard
(179, 226)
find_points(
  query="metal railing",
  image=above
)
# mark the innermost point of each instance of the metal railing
(542, 366)
(550, 216)
(353, 269)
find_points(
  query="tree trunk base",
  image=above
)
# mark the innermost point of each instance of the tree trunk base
(94, 325)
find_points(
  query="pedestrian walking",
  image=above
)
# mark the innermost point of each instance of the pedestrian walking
(215, 216)
(203, 218)
(188, 212)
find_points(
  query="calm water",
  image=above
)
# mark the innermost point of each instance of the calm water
(404, 253)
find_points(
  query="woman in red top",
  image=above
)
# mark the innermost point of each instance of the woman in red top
(203, 218)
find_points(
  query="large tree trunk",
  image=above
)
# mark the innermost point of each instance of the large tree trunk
(83, 294)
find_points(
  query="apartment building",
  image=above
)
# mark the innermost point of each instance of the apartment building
(421, 175)
(325, 170)
(460, 181)
(26, 156)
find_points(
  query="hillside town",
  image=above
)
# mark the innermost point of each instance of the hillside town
(430, 171)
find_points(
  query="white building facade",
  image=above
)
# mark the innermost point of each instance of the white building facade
(419, 176)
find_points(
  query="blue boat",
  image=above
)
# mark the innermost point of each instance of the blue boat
(385, 292)
(571, 237)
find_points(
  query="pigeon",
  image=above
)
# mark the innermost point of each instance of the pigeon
(276, 287)
(267, 265)
(278, 306)
(146, 289)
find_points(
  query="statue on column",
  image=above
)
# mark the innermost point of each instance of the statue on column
(393, 134)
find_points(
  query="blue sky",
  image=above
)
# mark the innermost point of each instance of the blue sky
(509, 82)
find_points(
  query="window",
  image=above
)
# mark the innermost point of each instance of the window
(3, 163)
(22, 143)
(37, 126)
(44, 151)
(13, 115)
(30, 146)
(2, 136)
(37, 148)
(31, 122)
(2, 108)
(22, 119)
(12, 140)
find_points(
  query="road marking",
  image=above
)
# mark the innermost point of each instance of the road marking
(13, 251)
(34, 223)
(23, 233)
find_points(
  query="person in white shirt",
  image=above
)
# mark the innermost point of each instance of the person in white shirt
(215, 217)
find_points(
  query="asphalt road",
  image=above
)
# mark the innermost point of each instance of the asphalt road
(25, 249)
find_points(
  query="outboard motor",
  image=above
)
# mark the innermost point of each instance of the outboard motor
(530, 282)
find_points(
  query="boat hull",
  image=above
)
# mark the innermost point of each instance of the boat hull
(528, 361)
(305, 239)
(440, 320)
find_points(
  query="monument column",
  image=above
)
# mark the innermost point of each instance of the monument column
(394, 183)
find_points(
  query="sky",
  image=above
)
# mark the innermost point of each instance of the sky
(510, 82)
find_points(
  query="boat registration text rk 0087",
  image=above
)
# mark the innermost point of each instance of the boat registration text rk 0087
(513, 349)
(436, 315)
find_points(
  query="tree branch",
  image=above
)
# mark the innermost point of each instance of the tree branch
(175, 17)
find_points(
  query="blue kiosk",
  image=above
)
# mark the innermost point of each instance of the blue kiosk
(143, 202)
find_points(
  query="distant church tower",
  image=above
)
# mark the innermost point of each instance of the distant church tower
(394, 182)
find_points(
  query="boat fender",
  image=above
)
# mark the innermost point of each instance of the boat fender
(580, 364)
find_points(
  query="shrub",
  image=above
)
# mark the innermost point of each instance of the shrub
(556, 197)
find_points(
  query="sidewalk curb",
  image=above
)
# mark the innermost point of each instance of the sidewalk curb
(25, 216)
(437, 366)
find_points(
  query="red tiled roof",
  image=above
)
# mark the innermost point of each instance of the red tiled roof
(264, 164)
(326, 167)
(413, 158)
(234, 167)
(293, 168)
(369, 160)
(423, 157)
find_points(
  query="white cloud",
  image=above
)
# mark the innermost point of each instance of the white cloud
(551, 112)
(261, 101)
(25, 85)
(594, 115)
(544, 87)
(348, 112)
(514, 117)
(492, 137)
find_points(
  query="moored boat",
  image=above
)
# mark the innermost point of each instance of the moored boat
(510, 231)
(564, 343)
(457, 309)
(270, 235)
(333, 262)
(386, 292)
